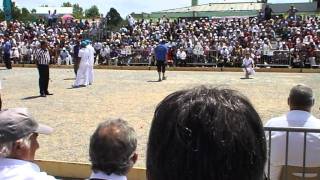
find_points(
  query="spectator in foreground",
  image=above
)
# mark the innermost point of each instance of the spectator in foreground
(300, 101)
(18, 145)
(206, 133)
(112, 150)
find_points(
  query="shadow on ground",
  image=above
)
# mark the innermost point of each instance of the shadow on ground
(30, 97)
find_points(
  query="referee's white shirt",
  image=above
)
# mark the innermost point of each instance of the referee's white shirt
(42, 56)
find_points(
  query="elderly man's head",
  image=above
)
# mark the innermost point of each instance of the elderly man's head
(301, 98)
(18, 134)
(206, 133)
(112, 147)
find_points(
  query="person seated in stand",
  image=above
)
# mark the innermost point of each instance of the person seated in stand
(206, 133)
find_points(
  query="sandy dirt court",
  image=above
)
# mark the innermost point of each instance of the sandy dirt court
(131, 95)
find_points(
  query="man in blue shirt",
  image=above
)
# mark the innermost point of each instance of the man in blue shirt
(6, 53)
(161, 57)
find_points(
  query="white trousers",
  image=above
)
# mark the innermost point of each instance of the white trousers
(82, 78)
(90, 74)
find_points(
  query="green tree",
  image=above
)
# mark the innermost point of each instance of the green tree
(25, 14)
(66, 4)
(77, 11)
(33, 11)
(113, 18)
(92, 12)
(16, 12)
(1, 15)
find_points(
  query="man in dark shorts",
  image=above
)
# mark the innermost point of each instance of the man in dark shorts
(161, 57)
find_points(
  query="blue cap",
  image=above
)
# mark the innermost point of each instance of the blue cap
(84, 43)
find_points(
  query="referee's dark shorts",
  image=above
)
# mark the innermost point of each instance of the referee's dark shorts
(161, 66)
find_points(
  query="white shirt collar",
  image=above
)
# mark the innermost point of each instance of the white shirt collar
(16, 162)
(298, 118)
(102, 175)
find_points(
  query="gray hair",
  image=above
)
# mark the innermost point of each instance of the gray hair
(6, 147)
(112, 146)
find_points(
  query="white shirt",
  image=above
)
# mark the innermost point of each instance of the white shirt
(293, 118)
(84, 54)
(92, 51)
(101, 175)
(13, 169)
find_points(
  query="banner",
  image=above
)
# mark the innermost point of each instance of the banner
(7, 9)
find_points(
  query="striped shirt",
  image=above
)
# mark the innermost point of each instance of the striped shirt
(42, 56)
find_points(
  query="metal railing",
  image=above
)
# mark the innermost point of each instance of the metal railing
(287, 132)
(144, 56)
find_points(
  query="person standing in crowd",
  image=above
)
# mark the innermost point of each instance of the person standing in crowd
(7, 53)
(300, 101)
(206, 133)
(161, 57)
(42, 59)
(105, 54)
(182, 56)
(292, 13)
(18, 145)
(82, 78)
(267, 12)
(266, 50)
(64, 55)
(97, 47)
(112, 150)
(76, 58)
(248, 65)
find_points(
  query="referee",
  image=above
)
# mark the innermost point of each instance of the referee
(42, 58)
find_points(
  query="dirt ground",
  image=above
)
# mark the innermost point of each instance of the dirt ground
(131, 95)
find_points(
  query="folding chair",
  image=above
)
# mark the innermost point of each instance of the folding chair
(295, 173)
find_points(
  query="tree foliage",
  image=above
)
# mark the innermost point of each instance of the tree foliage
(113, 18)
(22, 14)
(92, 12)
(66, 4)
(77, 11)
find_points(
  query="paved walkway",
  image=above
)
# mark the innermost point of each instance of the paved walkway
(132, 95)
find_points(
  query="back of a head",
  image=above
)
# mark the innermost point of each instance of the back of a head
(206, 133)
(301, 98)
(111, 147)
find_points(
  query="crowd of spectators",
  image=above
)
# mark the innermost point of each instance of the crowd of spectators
(275, 39)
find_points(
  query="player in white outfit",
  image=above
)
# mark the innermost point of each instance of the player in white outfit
(248, 65)
(82, 78)
(92, 51)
